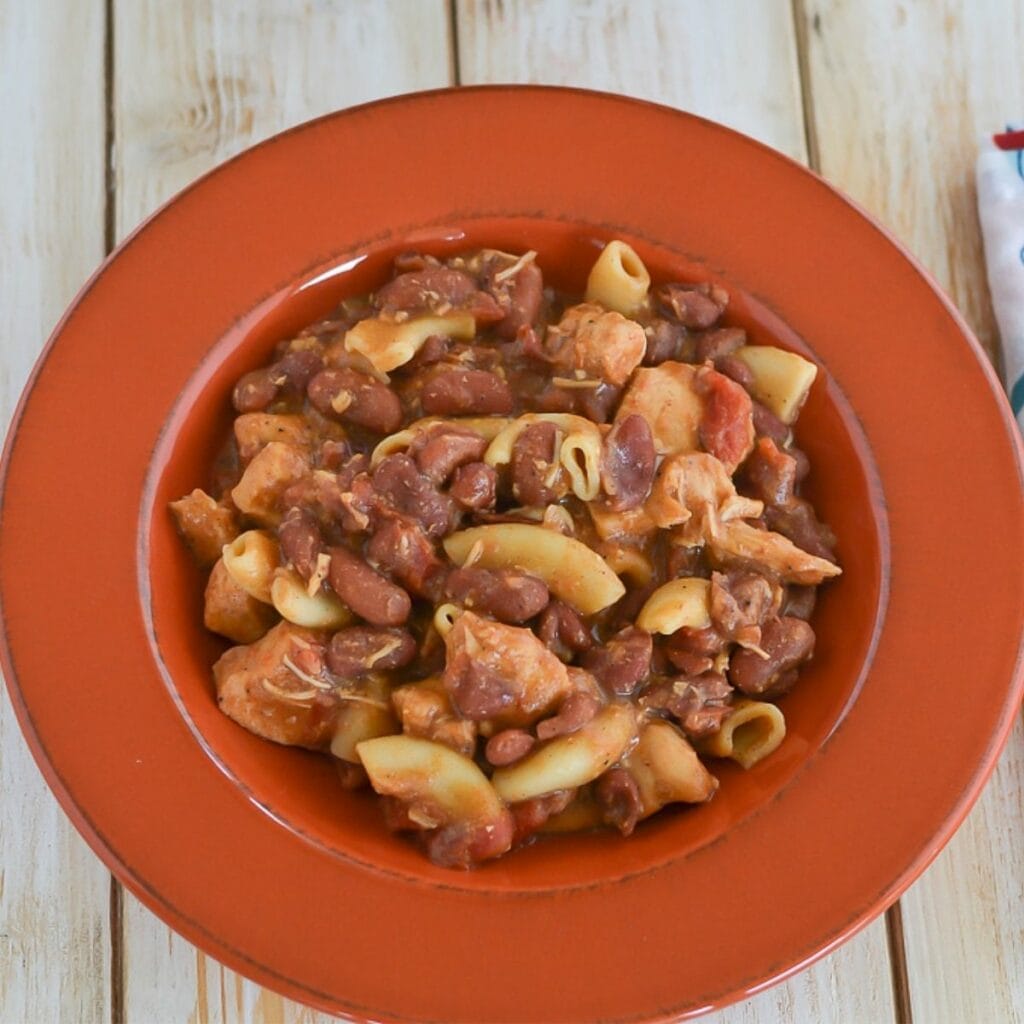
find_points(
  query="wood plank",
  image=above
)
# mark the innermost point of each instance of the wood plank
(197, 82)
(54, 894)
(684, 54)
(680, 52)
(901, 95)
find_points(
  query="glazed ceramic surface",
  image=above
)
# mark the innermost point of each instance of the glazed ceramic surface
(253, 851)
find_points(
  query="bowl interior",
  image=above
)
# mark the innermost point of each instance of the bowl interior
(300, 789)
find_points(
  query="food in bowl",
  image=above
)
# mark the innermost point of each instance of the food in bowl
(521, 562)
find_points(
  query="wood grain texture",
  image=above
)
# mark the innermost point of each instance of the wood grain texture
(195, 83)
(54, 894)
(684, 53)
(901, 95)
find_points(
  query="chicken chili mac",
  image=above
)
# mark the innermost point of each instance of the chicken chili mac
(519, 563)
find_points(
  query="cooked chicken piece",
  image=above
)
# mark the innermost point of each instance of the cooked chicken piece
(425, 710)
(667, 397)
(501, 672)
(268, 688)
(696, 485)
(738, 540)
(205, 525)
(603, 345)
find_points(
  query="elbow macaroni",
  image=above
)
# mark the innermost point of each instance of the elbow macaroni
(251, 560)
(753, 730)
(388, 344)
(678, 603)
(618, 280)
(321, 610)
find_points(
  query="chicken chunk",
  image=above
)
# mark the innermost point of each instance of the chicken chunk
(205, 525)
(265, 688)
(736, 540)
(668, 398)
(604, 345)
(501, 672)
(696, 485)
(425, 711)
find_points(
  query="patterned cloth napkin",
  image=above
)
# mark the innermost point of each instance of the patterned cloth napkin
(1001, 210)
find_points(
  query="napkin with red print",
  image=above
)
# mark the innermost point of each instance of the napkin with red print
(1001, 210)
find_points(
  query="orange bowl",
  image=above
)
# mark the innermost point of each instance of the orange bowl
(254, 852)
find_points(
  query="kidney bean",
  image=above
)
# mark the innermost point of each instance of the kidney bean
(358, 650)
(441, 451)
(694, 306)
(332, 455)
(622, 662)
(554, 399)
(398, 480)
(563, 631)
(627, 463)
(476, 691)
(726, 429)
(353, 397)
(687, 662)
(531, 814)
(533, 459)
(298, 368)
(799, 602)
(737, 370)
(366, 591)
(504, 594)
(577, 709)
(716, 344)
(788, 642)
(519, 297)
(664, 340)
(255, 391)
(508, 746)
(401, 548)
(301, 542)
(619, 798)
(769, 474)
(598, 404)
(688, 643)
(432, 351)
(475, 487)
(699, 703)
(439, 289)
(767, 424)
(465, 843)
(799, 522)
(466, 393)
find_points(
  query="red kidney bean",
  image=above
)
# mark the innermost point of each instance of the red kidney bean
(737, 370)
(577, 709)
(687, 662)
(298, 368)
(696, 307)
(508, 746)
(563, 631)
(441, 290)
(725, 425)
(402, 549)
(716, 344)
(554, 399)
(432, 351)
(358, 650)
(332, 455)
(627, 463)
(353, 397)
(699, 703)
(533, 456)
(706, 642)
(301, 542)
(518, 296)
(366, 591)
(788, 642)
(475, 487)
(439, 452)
(504, 594)
(799, 522)
(619, 798)
(531, 814)
(255, 391)
(664, 341)
(622, 662)
(476, 692)
(398, 480)
(463, 844)
(466, 393)
(598, 404)
(769, 474)
(767, 424)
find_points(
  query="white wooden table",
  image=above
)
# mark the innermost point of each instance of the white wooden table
(108, 111)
